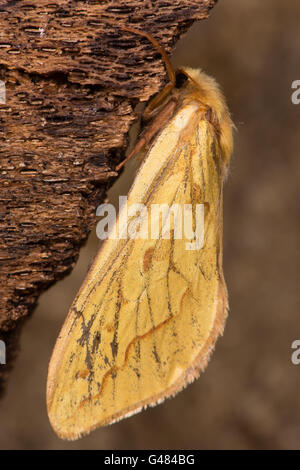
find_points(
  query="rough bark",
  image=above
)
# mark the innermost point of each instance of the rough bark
(72, 80)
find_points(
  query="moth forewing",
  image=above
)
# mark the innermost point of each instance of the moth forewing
(157, 308)
(150, 310)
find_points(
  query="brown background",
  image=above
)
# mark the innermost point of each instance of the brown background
(249, 396)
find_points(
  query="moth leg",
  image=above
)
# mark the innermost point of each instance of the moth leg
(157, 101)
(158, 123)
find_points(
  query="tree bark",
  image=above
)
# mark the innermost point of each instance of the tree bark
(72, 79)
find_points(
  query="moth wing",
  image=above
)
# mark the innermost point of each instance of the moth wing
(150, 310)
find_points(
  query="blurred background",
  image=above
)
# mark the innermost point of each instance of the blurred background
(248, 398)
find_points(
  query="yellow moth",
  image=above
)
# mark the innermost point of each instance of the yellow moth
(148, 314)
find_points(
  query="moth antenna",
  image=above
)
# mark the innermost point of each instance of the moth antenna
(165, 57)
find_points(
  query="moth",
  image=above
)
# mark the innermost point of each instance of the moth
(150, 310)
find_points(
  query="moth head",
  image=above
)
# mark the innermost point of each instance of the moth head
(204, 86)
(197, 85)
(186, 84)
